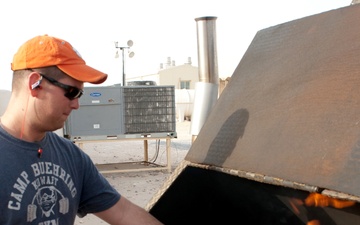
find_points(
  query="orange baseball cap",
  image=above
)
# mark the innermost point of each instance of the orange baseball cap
(43, 51)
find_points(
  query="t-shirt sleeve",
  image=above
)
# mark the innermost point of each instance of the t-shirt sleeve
(97, 193)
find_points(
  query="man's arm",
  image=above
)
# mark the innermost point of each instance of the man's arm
(125, 212)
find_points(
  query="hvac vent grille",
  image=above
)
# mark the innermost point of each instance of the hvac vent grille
(149, 109)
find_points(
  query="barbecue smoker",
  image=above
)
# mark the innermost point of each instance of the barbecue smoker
(282, 143)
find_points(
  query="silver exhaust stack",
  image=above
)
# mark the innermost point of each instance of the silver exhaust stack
(206, 90)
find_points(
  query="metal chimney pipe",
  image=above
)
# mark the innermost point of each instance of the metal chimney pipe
(207, 49)
(206, 91)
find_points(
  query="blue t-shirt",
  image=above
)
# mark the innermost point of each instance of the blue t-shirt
(51, 189)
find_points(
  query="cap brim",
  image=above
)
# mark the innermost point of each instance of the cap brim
(84, 73)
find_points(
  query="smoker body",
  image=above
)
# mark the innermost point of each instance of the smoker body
(206, 196)
(289, 118)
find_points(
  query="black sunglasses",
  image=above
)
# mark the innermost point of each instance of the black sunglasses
(71, 92)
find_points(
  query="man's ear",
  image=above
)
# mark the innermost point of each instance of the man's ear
(35, 80)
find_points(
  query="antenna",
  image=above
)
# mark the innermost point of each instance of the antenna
(131, 54)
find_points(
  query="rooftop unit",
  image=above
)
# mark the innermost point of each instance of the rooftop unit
(115, 112)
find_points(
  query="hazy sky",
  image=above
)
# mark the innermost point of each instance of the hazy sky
(158, 29)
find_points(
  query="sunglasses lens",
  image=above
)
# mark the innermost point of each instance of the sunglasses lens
(73, 93)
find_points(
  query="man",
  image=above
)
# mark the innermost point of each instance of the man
(46, 179)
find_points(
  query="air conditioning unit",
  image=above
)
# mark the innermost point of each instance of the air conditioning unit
(111, 112)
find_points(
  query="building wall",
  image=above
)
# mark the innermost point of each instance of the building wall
(172, 76)
(223, 83)
(151, 77)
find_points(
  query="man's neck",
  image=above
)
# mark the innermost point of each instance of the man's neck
(19, 130)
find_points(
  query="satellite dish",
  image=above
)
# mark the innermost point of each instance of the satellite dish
(130, 43)
(131, 54)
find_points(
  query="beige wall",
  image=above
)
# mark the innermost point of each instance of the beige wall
(222, 84)
(151, 77)
(172, 76)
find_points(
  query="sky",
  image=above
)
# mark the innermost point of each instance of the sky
(158, 28)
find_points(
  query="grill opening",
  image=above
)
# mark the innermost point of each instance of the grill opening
(201, 196)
